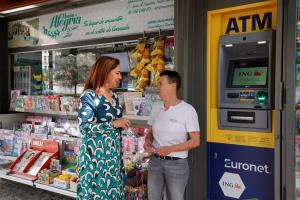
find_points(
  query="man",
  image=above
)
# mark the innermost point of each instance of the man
(173, 130)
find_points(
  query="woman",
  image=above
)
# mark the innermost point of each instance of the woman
(100, 166)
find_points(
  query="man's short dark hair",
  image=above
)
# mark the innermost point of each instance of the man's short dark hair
(173, 77)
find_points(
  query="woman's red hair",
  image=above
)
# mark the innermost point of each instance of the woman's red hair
(100, 71)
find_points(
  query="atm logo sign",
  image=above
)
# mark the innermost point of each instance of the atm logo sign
(257, 21)
(251, 73)
(232, 185)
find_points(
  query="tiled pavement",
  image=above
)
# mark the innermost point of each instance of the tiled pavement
(10, 190)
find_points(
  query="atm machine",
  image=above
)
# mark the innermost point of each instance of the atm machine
(245, 88)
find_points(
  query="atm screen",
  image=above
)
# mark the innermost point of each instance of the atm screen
(247, 74)
(250, 76)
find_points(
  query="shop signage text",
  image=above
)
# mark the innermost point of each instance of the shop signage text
(108, 19)
(246, 166)
(256, 22)
(62, 23)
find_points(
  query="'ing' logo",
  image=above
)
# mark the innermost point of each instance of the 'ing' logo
(232, 185)
(266, 21)
(255, 73)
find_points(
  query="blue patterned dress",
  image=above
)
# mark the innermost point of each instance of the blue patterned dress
(100, 166)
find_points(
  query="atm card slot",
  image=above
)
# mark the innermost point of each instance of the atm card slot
(241, 117)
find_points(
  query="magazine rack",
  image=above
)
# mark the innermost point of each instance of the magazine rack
(33, 160)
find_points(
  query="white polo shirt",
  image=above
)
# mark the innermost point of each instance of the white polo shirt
(171, 127)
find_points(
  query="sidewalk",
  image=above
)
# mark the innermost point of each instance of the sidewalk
(10, 190)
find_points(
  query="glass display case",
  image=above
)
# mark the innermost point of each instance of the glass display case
(27, 73)
(60, 72)
(63, 71)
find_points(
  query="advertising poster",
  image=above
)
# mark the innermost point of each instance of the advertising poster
(23, 33)
(240, 172)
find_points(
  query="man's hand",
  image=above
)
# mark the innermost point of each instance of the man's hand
(163, 151)
(148, 147)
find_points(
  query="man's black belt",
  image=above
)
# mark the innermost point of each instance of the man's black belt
(166, 157)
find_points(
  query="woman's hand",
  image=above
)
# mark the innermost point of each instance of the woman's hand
(121, 123)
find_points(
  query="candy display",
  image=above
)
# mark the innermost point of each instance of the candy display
(136, 193)
(47, 176)
(129, 144)
(132, 140)
(64, 180)
(135, 162)
(61, 182)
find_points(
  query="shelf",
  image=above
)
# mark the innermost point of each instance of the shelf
(59, 113)
(11, 158)
(137, 117)
(55, 189)
(55, 137)
(137, 120)
(4, 175)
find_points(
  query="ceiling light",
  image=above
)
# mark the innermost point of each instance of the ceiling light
(261, 42)
(18, 9)
(228, 45)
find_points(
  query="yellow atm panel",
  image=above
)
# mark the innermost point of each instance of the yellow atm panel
(226, 96)
(240, 102)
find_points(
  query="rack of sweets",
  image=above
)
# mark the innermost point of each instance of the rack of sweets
(61, 176)
(135, 162)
